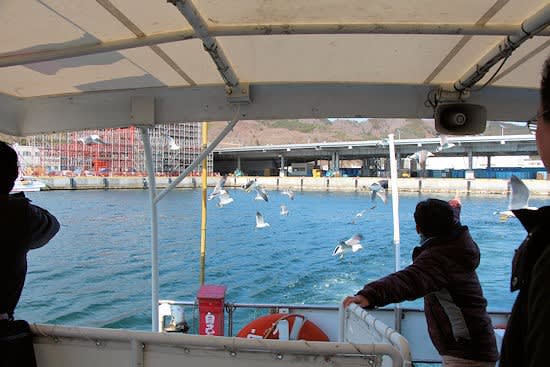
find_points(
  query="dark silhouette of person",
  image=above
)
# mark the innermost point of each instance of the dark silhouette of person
(527, 337)
(23, 227)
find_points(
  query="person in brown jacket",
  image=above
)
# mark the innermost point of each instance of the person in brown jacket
(444, 273)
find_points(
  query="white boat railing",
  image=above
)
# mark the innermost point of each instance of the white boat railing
(63, 346)
(359, 326)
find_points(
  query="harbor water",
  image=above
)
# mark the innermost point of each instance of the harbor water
(96, 271)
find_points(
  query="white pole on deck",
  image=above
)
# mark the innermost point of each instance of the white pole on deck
(154, 229)
(395, 211)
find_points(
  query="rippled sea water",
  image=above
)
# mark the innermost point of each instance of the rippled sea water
(96, 271)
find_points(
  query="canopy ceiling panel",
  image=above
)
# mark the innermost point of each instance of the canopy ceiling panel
(222, 12)
(153, 16)
(105, 71)
(30, 26)
(97, 55)
(517, 72)
(192, 58)
(149, 62)
(336, 58)
(472, 50)
(514, 12)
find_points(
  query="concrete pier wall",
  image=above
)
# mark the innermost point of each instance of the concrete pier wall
(418, 185)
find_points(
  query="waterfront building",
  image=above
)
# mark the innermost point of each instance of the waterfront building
(111, 152)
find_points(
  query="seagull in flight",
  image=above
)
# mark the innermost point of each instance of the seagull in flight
(260, 222)
(289, 193)
(172, 143)
(218, 189)
(91, 139)
(261, 194)
(377, 189)
(353, 244)
(357, 216)
(444, 144)
(250, 185)
(284, 210)
(224, 198)
(519, 198)
(421, 157)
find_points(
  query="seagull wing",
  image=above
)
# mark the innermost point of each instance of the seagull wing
(260, 222)
(519, 195)
(338, 250)
(218, 189)
(354, 242)
(96, 139)
(382, 195)
(249, 185)
(225, 198)
(261, 193)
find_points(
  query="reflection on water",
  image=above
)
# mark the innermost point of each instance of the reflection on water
(96, 272)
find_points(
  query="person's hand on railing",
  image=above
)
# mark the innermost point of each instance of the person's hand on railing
(357, 299)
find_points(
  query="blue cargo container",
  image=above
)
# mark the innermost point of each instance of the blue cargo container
(503, 173)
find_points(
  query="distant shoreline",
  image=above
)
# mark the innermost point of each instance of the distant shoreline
(343, 184)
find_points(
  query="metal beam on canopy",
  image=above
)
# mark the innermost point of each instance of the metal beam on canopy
(112, 108)
(192, 15)
(529, 28)
(23, 58)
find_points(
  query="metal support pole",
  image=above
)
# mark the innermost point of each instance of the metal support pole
(395, 211)
(203, 206)
(470, 159)
(282, 169)
(488, 162)
(154, 229)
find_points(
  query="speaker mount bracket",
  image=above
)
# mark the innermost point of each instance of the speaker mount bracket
(446, 95)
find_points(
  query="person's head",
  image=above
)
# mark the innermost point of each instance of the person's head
(434, 217)
(543, 117)
(9, 169)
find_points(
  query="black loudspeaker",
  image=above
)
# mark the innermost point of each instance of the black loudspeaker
(460, 119)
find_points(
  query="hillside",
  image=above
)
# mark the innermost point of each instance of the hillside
(251, 132)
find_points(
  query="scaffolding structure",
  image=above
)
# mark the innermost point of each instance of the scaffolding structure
(112, 152)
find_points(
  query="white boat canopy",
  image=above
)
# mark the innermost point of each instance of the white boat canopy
(79, 64)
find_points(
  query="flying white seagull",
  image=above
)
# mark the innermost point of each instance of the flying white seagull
(444, 144)
(224, 198)
(91, 139)
(377, 189)
(284, 210)
(289, 193)
(260, 222)
(261, 194)
(352, 244)
(218, 189)
(421, 157)
(172, 143)
(357, 216)
(249, 186)
(519, 198)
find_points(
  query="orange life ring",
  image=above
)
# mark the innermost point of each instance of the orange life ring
(265, 327)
